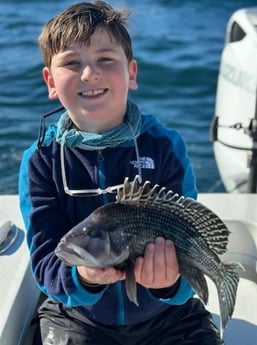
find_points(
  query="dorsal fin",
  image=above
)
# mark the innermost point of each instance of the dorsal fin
(204, 220)
(134, 192)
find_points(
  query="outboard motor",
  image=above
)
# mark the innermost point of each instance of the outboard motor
(234, 127)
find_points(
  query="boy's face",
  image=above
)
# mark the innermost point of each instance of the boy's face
(92, 82)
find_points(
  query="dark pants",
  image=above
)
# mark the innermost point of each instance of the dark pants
(188, 324)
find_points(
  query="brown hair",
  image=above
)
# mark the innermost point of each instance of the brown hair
(78, 22)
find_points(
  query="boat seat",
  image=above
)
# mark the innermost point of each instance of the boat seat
(242, 247)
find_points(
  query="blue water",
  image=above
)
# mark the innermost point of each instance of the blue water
(177, 43)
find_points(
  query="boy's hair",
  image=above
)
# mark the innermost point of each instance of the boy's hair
(78, 22)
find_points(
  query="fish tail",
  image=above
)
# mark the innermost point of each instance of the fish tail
(227, 289)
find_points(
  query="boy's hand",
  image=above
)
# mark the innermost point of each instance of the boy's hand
(159, 267)
(102, 276)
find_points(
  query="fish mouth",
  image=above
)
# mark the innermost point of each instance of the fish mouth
(68, 250)
(74, 255)
(96, 253)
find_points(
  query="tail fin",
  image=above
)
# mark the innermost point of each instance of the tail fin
(227, 289)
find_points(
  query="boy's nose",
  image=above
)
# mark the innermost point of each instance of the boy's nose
(89, 72)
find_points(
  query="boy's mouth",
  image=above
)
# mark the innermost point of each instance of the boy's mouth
(93, 93)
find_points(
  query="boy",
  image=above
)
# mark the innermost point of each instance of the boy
(100, 139)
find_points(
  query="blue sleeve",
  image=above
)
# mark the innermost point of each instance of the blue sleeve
(188, 181)
(175, 170)
(183, 294)
(45, 225)
(80, 295)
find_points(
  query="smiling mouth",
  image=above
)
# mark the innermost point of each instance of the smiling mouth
(93, 93)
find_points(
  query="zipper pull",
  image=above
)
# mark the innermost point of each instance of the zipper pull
(100, 156)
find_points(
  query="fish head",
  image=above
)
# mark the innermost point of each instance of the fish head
(98, 241)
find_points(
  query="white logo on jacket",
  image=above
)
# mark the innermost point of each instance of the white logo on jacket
(144, 163)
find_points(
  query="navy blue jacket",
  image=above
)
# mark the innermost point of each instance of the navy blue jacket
(49, 213)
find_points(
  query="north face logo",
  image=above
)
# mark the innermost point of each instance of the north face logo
(144, 163)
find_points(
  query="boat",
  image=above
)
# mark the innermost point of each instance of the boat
(234, 125)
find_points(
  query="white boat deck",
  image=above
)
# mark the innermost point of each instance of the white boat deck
(19, 294)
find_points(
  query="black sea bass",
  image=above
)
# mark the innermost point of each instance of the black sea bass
(116, 233)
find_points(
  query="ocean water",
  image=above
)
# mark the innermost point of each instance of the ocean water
(177, 44)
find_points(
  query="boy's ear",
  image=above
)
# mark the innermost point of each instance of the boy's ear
(133, 75)
(48, 78)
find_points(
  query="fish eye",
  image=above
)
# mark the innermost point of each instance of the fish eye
(96, 233)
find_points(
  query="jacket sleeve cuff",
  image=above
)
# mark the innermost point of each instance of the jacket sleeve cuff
(81, 295)
(167, 292)
(183, 294)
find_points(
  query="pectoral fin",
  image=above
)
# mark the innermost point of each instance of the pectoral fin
(130, 283)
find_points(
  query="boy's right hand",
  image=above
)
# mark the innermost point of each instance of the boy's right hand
(101, 276)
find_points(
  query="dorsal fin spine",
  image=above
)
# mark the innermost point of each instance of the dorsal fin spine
(134, 192)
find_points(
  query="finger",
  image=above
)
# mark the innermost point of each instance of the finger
(159, 262)
(147, 275)
(94, 272)
(138, 268)
(94, 275)
(104, 275)
(172, 267)
(113, 274)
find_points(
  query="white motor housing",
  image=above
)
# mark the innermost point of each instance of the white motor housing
(234, 127)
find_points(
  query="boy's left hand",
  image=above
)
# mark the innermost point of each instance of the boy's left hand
(159, 267)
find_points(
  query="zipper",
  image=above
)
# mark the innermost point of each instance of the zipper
(101, 174)
(121, 315)
(100, 157)
(102, 184)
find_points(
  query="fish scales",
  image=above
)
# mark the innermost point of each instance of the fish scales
(115, 234)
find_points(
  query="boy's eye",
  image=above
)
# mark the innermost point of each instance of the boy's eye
(71, 62)
(106, 59)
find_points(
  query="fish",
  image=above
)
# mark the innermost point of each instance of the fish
(116, 233)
